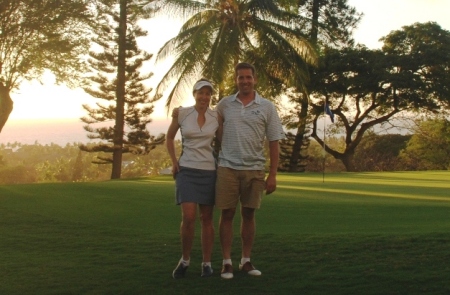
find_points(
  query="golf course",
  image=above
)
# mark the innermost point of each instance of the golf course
(342, 233)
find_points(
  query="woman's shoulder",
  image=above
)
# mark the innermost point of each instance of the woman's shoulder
(212, 112)
(186, 109)
(184, 112)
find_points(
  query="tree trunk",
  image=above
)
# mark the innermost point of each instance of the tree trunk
(301, 130)
(315, 21)
(348, 161)
(6, 105)
(120, 94)
(299, 137)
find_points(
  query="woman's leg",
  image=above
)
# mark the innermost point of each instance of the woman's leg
(187, 228)
(206, 219)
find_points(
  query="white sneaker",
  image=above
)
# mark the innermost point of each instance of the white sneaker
(227, 271)
(249, 268)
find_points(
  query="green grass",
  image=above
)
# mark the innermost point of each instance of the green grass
(355, 233)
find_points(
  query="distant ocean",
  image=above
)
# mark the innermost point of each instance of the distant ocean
(57, 131)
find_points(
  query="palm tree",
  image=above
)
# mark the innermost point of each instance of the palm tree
(220, 33)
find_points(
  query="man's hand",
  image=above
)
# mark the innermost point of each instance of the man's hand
(271, 184)
(175, 112)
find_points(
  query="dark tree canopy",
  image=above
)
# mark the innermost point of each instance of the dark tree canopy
(429, 146)
(219, 34)
(39, 35)
(367, 88)
(327, 23)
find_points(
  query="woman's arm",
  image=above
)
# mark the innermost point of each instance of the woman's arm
(170, 143)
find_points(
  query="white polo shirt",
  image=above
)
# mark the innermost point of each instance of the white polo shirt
(197, 149)
(245, 130)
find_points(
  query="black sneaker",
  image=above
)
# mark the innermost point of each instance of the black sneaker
(207, 271)
(179, 271)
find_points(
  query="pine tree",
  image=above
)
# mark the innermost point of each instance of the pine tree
(116, 80)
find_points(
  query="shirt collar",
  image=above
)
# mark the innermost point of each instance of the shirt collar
(256, 100)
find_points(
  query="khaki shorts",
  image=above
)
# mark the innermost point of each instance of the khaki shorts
(232, 186)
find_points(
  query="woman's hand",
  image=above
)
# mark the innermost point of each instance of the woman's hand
(175, 169)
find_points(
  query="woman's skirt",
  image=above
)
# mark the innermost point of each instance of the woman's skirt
(196, 186)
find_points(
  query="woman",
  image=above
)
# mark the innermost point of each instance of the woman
(195, 173)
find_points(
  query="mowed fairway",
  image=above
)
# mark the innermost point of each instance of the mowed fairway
(354, 233)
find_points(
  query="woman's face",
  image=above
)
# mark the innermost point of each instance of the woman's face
(203, 96)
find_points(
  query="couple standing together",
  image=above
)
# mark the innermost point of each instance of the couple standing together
(242, 122)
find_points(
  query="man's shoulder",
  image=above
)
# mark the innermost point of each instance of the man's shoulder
(263, 100)
(225, 101)
(227, 98)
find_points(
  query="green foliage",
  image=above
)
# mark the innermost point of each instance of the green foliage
(26, 163)
(419, 63)
(286, 150)
(22, 163)
(219, 34)
(327, 23)
(380, 152)
(319, 161)
(39, 35)
(17, 174)
(429, 147)
(42, 34)
(366, 88)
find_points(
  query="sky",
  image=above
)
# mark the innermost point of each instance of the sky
(36, 101)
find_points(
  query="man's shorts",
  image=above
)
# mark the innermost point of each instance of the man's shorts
(232, 186)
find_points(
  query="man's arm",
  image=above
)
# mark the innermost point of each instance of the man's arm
(271, 180)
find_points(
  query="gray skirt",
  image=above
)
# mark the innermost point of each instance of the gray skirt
(196, 186)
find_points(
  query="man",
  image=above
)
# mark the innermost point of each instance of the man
(248, 120)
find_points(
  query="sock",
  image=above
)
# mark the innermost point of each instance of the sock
(227, 261)
(244, 260)
(206, 264)
(185, 262)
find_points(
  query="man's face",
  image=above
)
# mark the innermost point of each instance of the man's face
(245, 81)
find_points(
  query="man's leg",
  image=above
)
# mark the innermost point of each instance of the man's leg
(250, 201)
(226, 231)
(226, 240)
(227, 197)
(248, 228)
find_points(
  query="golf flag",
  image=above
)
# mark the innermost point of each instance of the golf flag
(329, 113)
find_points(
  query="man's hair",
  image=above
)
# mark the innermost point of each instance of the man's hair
(244, 65)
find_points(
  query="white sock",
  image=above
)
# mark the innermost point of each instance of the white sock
(206, 264)
(244, 260)
(227, 261)
(185, 262)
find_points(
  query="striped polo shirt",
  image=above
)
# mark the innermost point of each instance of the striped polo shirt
(245, 130)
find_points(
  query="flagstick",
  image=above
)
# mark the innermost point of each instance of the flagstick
(324, 128)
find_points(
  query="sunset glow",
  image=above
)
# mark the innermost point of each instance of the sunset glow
(49, 101)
